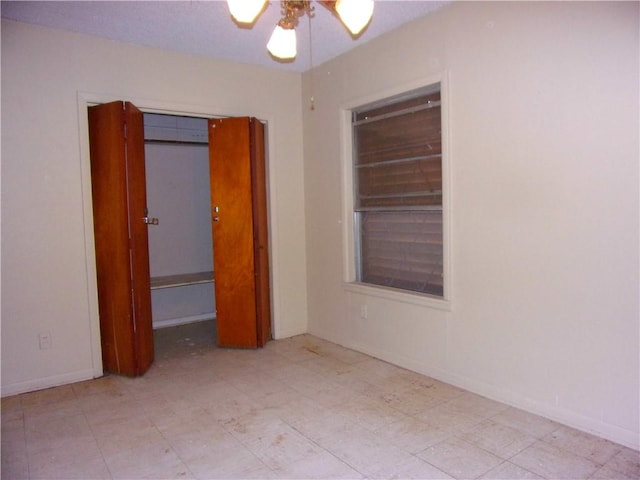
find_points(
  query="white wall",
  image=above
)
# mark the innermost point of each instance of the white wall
(542, 108)
(47, 266)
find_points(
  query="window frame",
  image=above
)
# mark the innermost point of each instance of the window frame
(350, 242)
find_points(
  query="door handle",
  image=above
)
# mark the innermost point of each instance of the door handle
(151, 221)
(216, 219)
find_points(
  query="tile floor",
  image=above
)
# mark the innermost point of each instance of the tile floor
(299, 408)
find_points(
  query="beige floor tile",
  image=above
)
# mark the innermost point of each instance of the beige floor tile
(275, 400)
(509, 471)
(10, 403)
(14, 463)
(231, 407)
(410, 401)
(116, 438)
(385, 376)
(10, 410)
(267, 361)
(227, 464)
(126, 432)
(528, 423)
(111, 409)
(283, 446)
(43, 412)
(342, 354)
(62, 450)
(299, 349)
(146, 460)
(303, 381)
(447, 417)
(322, 465)
(498, 439)
(412, 435)
(315, 422)
(72, 467)
(369, 412)
(552, 462)
(57, 429)
(353, 383)
(107, 386)
(207, 397)
(296, 406)
(293, 373)
(626, 461)
(193, 439)
(254, 383)
(328, 366)
(363, 450)
(160, 412)
(412, 468)
(588, 446)
(47, 396)
(608, 473)
(434, 388)
(253, 425)
(471, 403)
(142, 388)
(13, 427)
(325, 392)
(460, 459)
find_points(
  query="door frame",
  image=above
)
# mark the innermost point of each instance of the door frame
(87, 99)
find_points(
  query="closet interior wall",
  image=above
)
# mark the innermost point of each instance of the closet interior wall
(178, 194)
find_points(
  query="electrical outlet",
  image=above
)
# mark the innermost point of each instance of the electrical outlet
(44, 339)
(363, 311)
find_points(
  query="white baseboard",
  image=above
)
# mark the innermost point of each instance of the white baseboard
(173, 322)
(46, 382)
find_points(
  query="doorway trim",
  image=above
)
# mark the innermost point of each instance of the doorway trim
(87, 99)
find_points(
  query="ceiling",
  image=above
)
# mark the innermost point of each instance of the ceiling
(205, 28)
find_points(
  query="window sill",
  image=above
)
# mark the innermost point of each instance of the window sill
(422, 300)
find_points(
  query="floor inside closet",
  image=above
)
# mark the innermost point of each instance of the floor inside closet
(189, 339)
(298, 408)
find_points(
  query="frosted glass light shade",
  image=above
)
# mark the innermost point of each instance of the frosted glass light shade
(282, 43)
(245, 11)
(355, 14)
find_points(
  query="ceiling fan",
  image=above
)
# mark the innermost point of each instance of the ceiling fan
(355, 15)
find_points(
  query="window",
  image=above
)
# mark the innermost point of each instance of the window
(398, 192)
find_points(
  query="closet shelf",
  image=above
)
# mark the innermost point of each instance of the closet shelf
(181, 280)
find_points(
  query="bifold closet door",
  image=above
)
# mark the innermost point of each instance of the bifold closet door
(239, 225)
(116, 137)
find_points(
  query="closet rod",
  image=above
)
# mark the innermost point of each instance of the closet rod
(175, 142)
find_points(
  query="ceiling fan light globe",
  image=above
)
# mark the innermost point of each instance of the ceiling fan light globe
(245, 11)
(355, 14)
(282, 43)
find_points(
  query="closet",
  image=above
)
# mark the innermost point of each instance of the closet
(178, 196)
(237, 267)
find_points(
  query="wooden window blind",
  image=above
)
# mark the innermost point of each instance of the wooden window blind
(398, 194)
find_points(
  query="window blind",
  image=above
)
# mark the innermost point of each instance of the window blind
(398, 194)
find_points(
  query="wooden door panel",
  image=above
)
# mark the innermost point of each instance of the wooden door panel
(260, 230)
(118, 195)
(111, 232)
(231, 206)
(140, 275)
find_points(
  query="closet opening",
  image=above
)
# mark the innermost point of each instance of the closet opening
(168, 191)
(179, 207)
